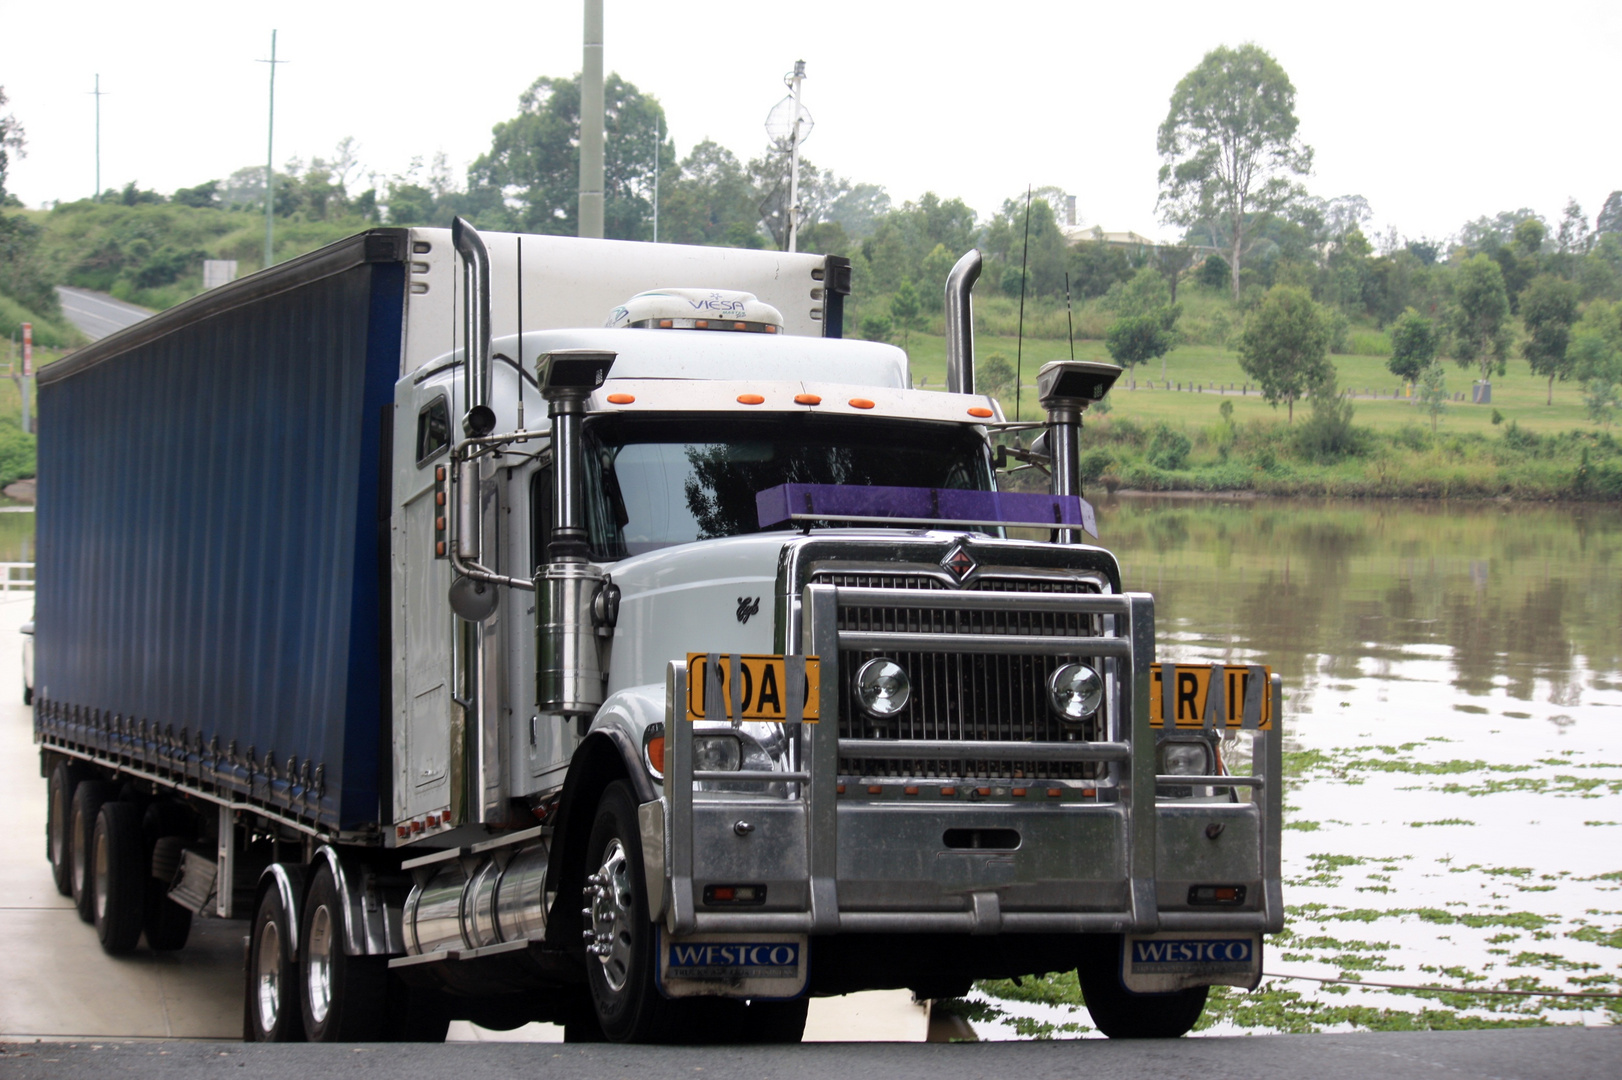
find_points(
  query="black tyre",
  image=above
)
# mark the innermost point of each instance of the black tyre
(168, 828)
(620, 958)
(88, 797)
(118, 877)
(1121, 1014)
(272, 992)
(343, 997)
(58, 821)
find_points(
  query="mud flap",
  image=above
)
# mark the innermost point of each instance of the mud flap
(769, 967)
(1160, 963)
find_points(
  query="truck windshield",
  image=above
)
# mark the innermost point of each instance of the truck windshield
(658, 482)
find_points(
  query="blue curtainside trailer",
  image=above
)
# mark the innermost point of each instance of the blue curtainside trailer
(213, 527)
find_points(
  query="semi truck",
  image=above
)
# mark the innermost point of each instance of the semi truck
(528, 628)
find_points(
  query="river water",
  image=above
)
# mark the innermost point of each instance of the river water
(1453, 721)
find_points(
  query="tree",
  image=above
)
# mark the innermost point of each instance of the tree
(534, 159)
(876, 328)
(710, 200)
(1285, 346)
(1431, 392)
(1596, 349)
(1413, 345)
(1228, 145)
(203, 195)
(13, 139)
(1137, 339)
(904, 309)
(996, 376)
(1480, 316)
(1610, 215)
(1490, 233)
(1147, 325)
(1548, 309)
(1573, 237)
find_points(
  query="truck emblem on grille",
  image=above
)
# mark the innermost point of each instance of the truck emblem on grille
(746, 607)
(959, 562)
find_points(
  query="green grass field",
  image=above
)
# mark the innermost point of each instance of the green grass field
(1518, 395)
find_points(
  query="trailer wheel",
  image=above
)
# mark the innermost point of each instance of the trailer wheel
(88, 797)
(58, 821)
(168, 828)
(118, 877)
(620, 959)
(1122, 1014)
(273, 997)
(342, 996)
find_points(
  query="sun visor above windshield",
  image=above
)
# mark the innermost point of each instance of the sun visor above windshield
(762, 396)
(666, 354)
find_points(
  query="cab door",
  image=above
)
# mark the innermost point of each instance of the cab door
(424, 627)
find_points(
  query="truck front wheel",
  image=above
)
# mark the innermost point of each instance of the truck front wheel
(620, 957)
(1121, 1014)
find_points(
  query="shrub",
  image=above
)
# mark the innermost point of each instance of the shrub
(1095, 462)
(1169, 449)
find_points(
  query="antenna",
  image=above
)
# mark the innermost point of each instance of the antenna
(99, 95)
(788, 125)
(1069, 322)
(1019, 342)
(270, 158)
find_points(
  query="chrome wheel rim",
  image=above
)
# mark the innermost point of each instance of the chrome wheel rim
(267, 976)
(613, 913)
(318, 963)
(100, 876)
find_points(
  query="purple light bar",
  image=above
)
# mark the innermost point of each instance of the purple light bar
(788, 502)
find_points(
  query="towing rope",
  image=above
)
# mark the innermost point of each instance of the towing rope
(1447, 989)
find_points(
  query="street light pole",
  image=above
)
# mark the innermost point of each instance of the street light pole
(794, 161)
(98, 93)
(270, 157)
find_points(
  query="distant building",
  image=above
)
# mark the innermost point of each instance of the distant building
(1096, 234)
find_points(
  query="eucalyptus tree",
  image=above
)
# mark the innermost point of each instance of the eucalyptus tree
(1229, 146)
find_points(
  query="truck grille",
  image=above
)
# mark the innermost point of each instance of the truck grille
(960, 695)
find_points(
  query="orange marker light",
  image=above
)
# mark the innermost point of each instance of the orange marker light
(860, 403)
(982, 792)
(621, 399)
(840, 790)
(750, 399)
(909, 790)
(740, 326)
(948, 791)
(982, 412)
(656, 752)
(770, 329)
(666, 324)
(1019, 793)
(1054, 793)
(807, 399)
(874, 789)
(702, 324)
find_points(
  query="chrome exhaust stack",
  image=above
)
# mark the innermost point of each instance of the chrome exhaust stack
(1066, 388)
(576, 604)
(960, 323)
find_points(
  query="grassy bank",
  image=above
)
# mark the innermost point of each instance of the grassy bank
(1177, 439)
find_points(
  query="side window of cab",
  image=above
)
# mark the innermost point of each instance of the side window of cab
(433, 430)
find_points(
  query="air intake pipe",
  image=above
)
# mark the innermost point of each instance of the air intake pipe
(960, 323)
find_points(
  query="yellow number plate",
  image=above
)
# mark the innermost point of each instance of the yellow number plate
(760, 692)
(1193, 698)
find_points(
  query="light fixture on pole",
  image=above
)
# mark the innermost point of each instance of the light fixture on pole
(788, 125)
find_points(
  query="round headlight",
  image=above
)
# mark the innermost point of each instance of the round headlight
(1185, 759)
(882, 688)
(1075, 691)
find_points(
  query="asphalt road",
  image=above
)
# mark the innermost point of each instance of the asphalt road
(97, 314)
(1525, 1054)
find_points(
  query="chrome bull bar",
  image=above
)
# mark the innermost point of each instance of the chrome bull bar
(804, 829)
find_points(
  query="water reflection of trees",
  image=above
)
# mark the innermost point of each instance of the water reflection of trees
(1336, 591)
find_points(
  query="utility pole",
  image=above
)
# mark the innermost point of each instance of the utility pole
(591, 124)
(99, 95)
(658, 145)
(270, 158)
(794, 160)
